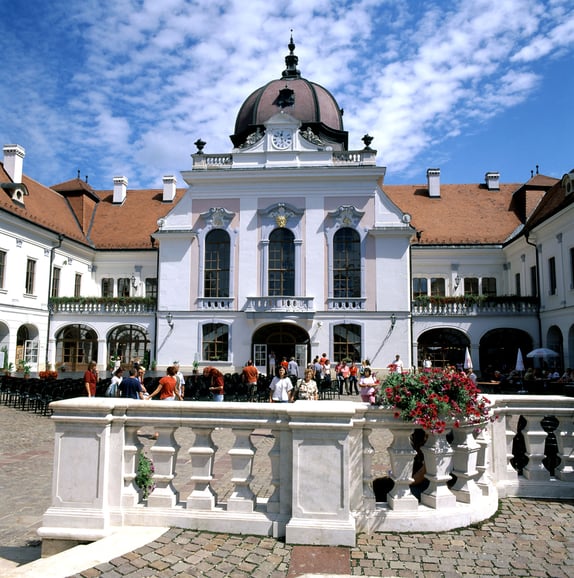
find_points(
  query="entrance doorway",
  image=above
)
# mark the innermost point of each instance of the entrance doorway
(283, 340)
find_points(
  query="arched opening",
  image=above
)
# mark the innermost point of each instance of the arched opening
(555, 341)
(76, 346)
(27, 347)
(283, 340)
(443, 347)
(128, 343)
(499, 350)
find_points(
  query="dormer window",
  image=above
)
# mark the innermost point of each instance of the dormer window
(17, 191)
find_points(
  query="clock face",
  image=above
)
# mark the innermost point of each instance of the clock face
(282, 138)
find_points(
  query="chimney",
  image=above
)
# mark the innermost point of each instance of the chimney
(492, 181)
(169, 183)
(433, 178)
(120, 189)
(14, 161)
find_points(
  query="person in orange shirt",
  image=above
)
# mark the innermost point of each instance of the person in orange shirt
(166, 386)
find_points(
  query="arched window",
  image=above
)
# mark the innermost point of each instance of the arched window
(215, 342)
(216, 276)
(346, 264)
(347, 342)
(76, 346)
(129, 342)
(281, 263)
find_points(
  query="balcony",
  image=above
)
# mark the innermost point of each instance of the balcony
(474, 305)
(279, 304)
(267, 456)
(215, 303)
(102, 305)
(346, 304)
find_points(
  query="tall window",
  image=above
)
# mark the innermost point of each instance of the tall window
(533, 282)
(552, 275)
(55, 282)
(78, 285)
(420, 286)
(281, 263)
(571, 269)
(215, 342)
(437, 286)
(470, 285)
(346, 264)
(107, 287)
(517, 288)
(151, 287)
(489, 286)
(216, 279)
(124, 287)
(347, 342)
(30, 276)
(2, 268)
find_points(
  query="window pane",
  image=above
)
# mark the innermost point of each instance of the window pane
(124, 287)
(55, 282)
(281, 263)
(470, 285)
(216, 277)
(151, 287)
(552, 275)
(489, 286)
(517, 288)
(533, 282)
(215, 342)
(78, 285)
(420, 286)
(107, 287)
(346, 264)
(2, 268)
(30, 273)
(347, 342)
(437, 287)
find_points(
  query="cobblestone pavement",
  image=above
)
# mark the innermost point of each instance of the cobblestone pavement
(526, 538)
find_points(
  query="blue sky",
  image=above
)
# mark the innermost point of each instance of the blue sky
(125, 87)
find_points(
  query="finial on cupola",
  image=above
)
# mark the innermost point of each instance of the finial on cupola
(291, 61)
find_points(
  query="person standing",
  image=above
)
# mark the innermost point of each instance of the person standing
(166, 386)
(216, 384)
(131, 387)
(272, 363)
(180, 382)
(113, 388)
(91, 379)
(353, 378)
(292, 368)
(250, 375)
(306, 388)
(367, 383)
(397, 365)
(281, 388)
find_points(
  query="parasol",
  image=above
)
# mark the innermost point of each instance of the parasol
(467, 359)
(542, 352)
(519, 361)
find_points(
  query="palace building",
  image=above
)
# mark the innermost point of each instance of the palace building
(288, 245)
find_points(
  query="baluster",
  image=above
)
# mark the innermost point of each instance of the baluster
(368, 452)
(274, 457)
(482, 462)
(535, 439)
(164, 456)
(132, 446)
(511, 472)
(242, 499)
(402, 454)
(438, 459)
(202, 455)
(464, 465)
(565, 441)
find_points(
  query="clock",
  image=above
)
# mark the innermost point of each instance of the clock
(282, 138)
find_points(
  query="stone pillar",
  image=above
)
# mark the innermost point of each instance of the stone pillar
(321, 473)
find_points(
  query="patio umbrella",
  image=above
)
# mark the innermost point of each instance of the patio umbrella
(542, 352)
(519, 361)
(467, 359)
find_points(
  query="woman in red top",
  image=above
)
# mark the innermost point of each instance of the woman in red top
(166, 386)
(91, 379)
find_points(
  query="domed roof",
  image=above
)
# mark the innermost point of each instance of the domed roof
(306, 101)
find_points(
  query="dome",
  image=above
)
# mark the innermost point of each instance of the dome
(306, 101)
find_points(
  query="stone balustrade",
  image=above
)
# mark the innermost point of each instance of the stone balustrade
(302, 471)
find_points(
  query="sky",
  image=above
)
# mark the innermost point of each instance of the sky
(125, 87)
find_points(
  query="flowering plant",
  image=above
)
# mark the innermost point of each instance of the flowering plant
(434, 398)
(144, 475)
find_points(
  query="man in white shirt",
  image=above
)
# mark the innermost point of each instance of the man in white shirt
(398, 364)
(179, 382)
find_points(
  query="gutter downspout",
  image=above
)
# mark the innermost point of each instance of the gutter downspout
(537, 287)
(153, 241)
(50, 279)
